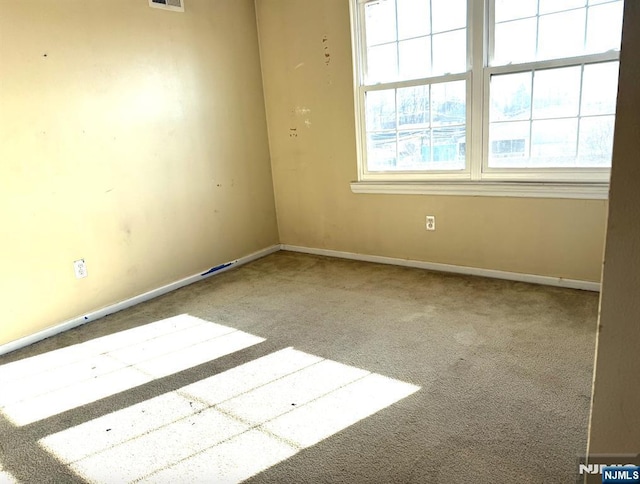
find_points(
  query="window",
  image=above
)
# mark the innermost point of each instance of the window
(486, 91)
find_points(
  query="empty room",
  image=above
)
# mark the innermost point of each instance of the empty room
(341, 241)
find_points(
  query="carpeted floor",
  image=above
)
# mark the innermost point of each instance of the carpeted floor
(395, 375)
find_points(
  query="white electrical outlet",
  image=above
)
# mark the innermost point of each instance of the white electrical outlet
(431, 222)
(80, 268)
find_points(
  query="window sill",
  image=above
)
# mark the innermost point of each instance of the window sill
(585, 191)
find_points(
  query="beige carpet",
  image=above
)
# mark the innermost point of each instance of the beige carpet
(298, 368)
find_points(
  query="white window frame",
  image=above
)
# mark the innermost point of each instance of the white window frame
(477, 178)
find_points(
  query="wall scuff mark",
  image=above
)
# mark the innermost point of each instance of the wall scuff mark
(327, 54)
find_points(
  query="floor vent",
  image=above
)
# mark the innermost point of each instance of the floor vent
(175, 5)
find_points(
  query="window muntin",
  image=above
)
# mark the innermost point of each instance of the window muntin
(412, 39)
(549, 105)
(414, 92)
(526, 31)
(417, 128)
(561, 117)
(562, 114)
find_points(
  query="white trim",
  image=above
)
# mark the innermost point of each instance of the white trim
(434, 266)
(357, 33)
(100, 313)
(440, 79)
(541, 65)
(594, 191)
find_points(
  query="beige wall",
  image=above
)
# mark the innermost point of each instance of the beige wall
(615, 418)
(129, 136)
(136, 138)
(307, 74)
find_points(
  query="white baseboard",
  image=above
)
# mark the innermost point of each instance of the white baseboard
(473, 271)
(434, 266)
(92, 316)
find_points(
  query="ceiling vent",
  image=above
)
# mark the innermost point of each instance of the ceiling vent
(175, 5)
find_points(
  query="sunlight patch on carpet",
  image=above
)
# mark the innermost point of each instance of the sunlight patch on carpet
(6, 477)
(230, 426)
(45, 385)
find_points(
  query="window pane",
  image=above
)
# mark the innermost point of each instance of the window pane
(515, 41)
(554, 141)
(448, 103)
(415, 58)
(596, 141)
(450, 52)
(548, 6)
(381, 151)
(382, 63)
(381, 110)
(561, 35)
(511, 10)
(380, 20)
(600, 89)
(556, 92)
(604, 28)
(413, 106)
(558, 31)
(414, 19)
(448, 148)
(508, 144)
(418, 147)
(448, 14)
(414, 150)
(511, 97)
